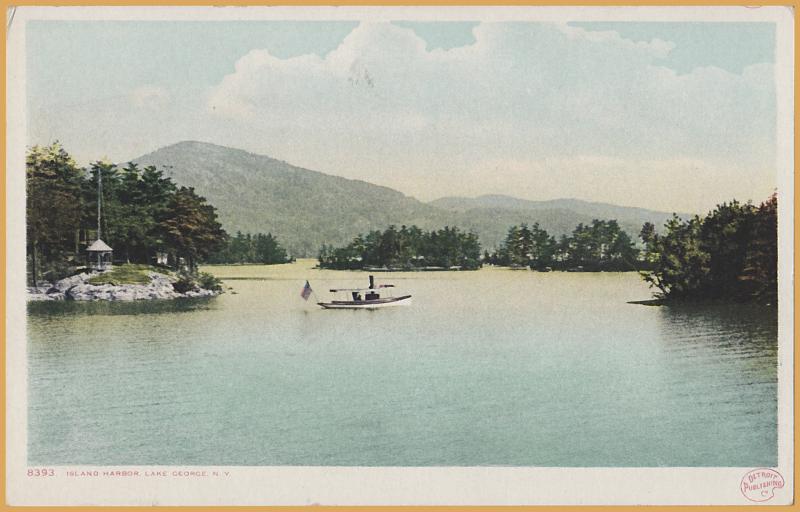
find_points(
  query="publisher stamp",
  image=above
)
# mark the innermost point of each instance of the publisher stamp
(760, 484)
(210, 268)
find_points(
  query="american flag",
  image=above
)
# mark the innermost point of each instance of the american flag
(306, 292)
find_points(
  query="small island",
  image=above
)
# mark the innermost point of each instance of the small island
(730, 255)
(79, 219)
(110, 232)
(129, 282)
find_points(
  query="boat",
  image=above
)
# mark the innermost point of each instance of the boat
(366, 298)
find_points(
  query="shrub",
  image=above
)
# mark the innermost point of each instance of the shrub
(209, 282)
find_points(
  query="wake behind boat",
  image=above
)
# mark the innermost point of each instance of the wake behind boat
(366, 298)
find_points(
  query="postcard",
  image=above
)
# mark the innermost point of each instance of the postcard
(400, 256)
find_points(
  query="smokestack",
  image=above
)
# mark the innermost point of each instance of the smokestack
(371, 282)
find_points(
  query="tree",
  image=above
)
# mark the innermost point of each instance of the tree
(730, 254)
(680, 263)
(267, 250)
(145, 197)
(760, 273)
(53, 208)
(544, 247)
(191, 228)
(407, 247)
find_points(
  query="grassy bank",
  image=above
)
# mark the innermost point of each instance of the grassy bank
(126, 274)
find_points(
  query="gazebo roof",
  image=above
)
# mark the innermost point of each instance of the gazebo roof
(99, 246)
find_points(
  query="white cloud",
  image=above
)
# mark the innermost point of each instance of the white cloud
(382, 107)
(571, 112)
(655, 47)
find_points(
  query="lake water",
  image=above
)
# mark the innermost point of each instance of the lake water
(494, 367)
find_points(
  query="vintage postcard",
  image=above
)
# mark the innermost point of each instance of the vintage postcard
(400, 255)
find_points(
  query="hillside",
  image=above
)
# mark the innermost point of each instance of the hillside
(625, 215)
(306, 208)
(303, 208)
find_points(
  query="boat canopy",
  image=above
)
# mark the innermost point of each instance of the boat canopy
(334, 290)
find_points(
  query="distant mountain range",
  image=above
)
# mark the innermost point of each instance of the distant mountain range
(306, 208)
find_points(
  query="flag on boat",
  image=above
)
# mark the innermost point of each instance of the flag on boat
(306, 291)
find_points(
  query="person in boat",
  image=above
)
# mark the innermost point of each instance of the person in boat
(356, 296)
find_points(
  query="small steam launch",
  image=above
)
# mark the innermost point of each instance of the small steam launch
(373, 297)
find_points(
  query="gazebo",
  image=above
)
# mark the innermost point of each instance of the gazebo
(99, 255)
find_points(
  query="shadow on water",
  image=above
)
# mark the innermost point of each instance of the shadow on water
(110, 308)
(722, 325)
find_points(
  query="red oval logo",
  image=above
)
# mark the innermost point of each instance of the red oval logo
(760, 484)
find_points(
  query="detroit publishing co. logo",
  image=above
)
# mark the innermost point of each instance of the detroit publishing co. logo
(761, 484)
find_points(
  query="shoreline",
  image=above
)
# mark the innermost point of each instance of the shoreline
(79, 288)
(698, 302)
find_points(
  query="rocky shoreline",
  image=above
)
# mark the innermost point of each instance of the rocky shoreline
(77, 287)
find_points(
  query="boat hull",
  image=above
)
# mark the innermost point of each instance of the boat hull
(405, 300)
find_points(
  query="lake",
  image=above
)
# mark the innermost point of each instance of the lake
(493, 367)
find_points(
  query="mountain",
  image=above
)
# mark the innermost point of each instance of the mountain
(625, 215)
(301, 207)
(305, 209)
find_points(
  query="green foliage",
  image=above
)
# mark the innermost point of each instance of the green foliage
(305, 209)
(190, 226)
(187, 282)
(406, 248)
(258, 248)
(53, 210)
(134, 203)
(143, 213)
(209, 282)
(730, 254)
(124, 274)
(524, 246)
(601, 245)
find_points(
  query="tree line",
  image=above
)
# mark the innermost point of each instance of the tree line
(247, 248)
(730, 254)
(143, 213)
(601, 245)
(406, 248)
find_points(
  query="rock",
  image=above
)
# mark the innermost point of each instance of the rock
(68, 282)
(77, 288)
(39, 294)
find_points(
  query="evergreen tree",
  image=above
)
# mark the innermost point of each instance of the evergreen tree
(191, 227)
(730, 254)
(53, 208)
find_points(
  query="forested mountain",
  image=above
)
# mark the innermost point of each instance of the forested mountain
(625, 215)
(301, 208)
(305, 209)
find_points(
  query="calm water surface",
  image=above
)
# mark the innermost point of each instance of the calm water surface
(494, 367)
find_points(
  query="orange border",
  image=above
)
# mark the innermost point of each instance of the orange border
(3, 205)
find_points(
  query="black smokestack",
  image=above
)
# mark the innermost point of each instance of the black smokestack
(371, 282)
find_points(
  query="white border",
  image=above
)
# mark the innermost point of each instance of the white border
(382, 486)
(781, 15)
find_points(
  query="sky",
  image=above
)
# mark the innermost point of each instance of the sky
(667, 116)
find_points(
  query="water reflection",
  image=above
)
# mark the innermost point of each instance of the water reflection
(728, 326)
(547, 369)
(722, 362)
(110, 308)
